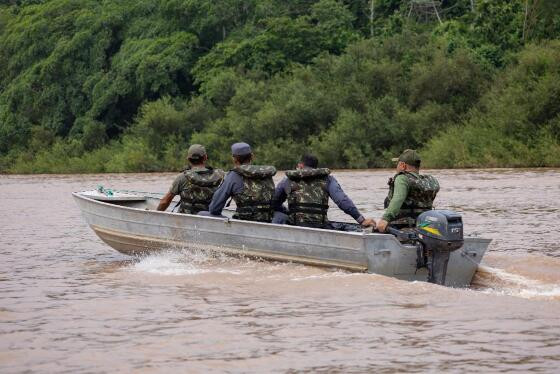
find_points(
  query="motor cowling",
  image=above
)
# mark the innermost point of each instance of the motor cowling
(440, 232)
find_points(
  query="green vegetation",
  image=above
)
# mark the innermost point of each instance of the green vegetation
(127, 85)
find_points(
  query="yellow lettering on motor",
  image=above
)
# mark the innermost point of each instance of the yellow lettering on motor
(432, 230)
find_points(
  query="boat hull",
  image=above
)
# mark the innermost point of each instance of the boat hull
(133, 227)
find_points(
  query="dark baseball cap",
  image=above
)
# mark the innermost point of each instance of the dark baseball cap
(409, 157)
(196, 151)
(241, 149)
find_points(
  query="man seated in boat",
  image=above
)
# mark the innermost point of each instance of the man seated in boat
(410, 193)
(196, 184)
(307, 190)
(250, 186)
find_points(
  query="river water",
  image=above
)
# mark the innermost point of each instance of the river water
(69, 303)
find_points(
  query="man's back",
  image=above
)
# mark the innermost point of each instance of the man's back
(196, 186)
(308, 197)
(254, 201)
(332, 190)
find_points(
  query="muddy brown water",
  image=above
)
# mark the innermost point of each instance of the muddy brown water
(69, 303)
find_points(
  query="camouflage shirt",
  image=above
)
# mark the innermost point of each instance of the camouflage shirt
(409, 195)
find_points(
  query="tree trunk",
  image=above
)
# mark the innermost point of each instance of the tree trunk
(525, 20)
(371, 13)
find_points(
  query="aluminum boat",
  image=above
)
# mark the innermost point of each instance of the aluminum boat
(129, 222)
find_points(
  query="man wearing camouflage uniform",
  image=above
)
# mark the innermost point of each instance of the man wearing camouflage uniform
(196, 184)
(307, 190)
(410, 193)
(250, 186)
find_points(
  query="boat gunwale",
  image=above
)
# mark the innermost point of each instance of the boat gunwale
(226, 220)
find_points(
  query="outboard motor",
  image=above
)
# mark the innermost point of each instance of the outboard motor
(437, 234)
(440, 232)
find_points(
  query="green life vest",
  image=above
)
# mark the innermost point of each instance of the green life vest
(422, 190)
(254, 203)
(200, 185)
(308, 200)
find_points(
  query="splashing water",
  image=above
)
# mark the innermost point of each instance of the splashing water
(180, 263)
(493, 280)
(195, 261)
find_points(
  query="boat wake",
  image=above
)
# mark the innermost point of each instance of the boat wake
(182, 263)
(498, 281)
(327, 273)
(515, 280)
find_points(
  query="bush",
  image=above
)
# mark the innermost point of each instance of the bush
(128, 85)
(515, 124)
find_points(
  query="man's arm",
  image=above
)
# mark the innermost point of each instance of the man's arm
(400, 192)
(342, 200)
(223, 193)
(174, 190)
(280, 195)
(165, 201)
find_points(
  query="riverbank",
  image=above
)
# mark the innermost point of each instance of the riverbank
(451, 152)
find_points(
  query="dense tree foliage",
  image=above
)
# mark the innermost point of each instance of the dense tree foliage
(127, 85)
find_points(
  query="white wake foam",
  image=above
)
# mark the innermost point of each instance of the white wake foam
(181, 263)
(505, 283)
(328, 274)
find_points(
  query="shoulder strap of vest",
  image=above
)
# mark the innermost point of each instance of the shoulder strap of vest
(204, 177)
(255, 171)
(406, 173)
(307, 173)
(309, 208)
